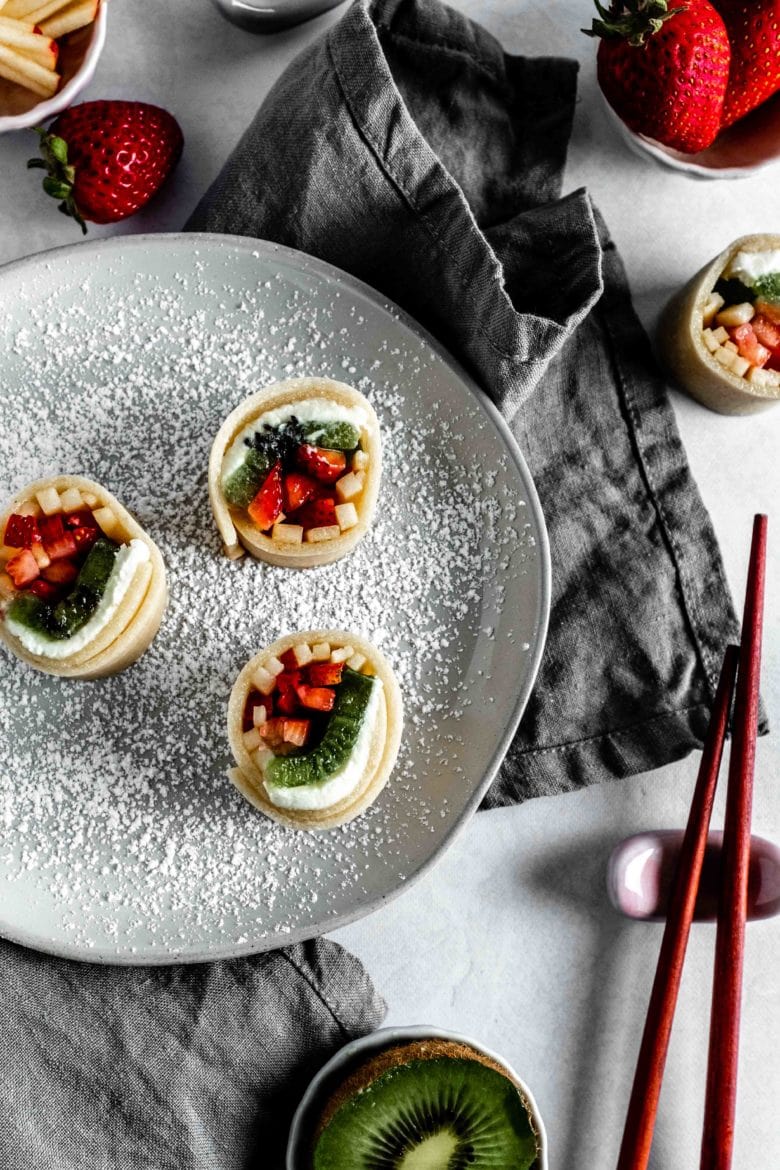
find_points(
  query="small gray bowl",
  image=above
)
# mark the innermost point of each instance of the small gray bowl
(355, 1054)
(268, 16)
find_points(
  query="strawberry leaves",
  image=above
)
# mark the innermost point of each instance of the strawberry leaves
(632, 20)
(61, 175)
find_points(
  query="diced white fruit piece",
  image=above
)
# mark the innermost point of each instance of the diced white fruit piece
(347, 516)
(320, 652)
(360, 460)
(729, 345)
(274, 666)
(349, 486)
(720, 335)
(252, 739)
(259, 716)
(740, 365)
(90, 500)
(302, 653)
(29, 508)
(356, 661)
(72, 500)
(764, 377)
(327, 532)
(736, 314)
(263, 681)
(342, 654)
(724, 356)
(287, 533)
(715, 303)
(42, 558)
(262, 756)
(108, 521)
(709, 340)
(49, 499)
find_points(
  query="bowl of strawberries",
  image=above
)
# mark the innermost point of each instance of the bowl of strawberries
(693, 84)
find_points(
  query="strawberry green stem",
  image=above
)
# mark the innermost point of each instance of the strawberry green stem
(631, 20)
(60, 174)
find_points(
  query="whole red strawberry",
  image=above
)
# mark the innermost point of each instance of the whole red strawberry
(753, 27)
(664, 70)
(107, 159)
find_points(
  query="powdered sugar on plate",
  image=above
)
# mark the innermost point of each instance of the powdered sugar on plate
(121, 837)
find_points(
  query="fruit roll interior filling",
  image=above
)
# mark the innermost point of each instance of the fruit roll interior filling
(741, 320)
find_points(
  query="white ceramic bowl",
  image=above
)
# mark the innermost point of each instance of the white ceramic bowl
(79, 54)
(745, 148)
(359, 1051)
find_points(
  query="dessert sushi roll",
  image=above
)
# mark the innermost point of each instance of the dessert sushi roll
(82, 586)
(294, 473)
(314, 724)
(720, 336)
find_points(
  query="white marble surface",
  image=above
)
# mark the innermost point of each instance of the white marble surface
(511, 937)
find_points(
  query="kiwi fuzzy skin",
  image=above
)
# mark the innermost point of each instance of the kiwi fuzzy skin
(401, 1054)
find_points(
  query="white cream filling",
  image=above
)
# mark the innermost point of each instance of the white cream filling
(340, 784)
(748, 266)
(127, 560)
(309, 410)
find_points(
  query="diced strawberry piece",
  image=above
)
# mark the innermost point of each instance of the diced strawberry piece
(60, 572)
(46, 590)
(272, 732)
(325, 674)
(317, 513)
(57, 542)
(769, 309)
(266, 508)
(287, 684)
(21, 531)
(316, 698)
(748, 345)
(84, 536)
(83, 519)
(297, 489)
(767, 332)
(288, 660)
(324, 465)
(296, 731)
(22, 568)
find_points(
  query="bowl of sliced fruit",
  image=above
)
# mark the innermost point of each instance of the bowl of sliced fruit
(48, 53)
(416, 1097)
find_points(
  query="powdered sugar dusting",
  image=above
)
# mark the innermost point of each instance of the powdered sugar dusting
(120, 832)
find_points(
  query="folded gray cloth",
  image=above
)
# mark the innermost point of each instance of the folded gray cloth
(197, 1068)
(408, 149)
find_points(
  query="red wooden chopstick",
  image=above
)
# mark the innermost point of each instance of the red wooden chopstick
(643, 1105)
(718, 1134)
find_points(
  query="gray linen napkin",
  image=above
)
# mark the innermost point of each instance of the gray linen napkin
(408, 149)
(192, 1068)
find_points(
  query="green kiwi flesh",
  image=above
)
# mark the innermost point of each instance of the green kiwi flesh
(442, 1113)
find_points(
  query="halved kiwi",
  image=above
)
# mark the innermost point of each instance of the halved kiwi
(429, 1105)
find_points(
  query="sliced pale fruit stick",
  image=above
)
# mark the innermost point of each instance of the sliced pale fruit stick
(736, 314)
(263, 681)
(45, 57)
(72, 500)
(108, 522)
(342, 654)
(349, 486)
(740, 365)
(287, 533)
(720, 335)
(259, 716)
(28, 74)
(764, 377)
(74, 16)
(49, 499)
(274, 666)
(320, 652)
(41, 11)
(356, 661)
(724, 356)
(252, 739)
(360, 460)
(22, 36)
(715, 303)
(729, 345)
(709, 340)
(326, 532)
(303, 654)
(20, 9)
(347, 516)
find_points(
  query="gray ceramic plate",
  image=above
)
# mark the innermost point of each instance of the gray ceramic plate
(121, 840)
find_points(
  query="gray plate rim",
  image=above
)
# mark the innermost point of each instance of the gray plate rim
(317, 267)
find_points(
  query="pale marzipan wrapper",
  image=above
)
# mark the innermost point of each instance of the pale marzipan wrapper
(137, 619)
(682, 349)
(239, 533)
(386, 740)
